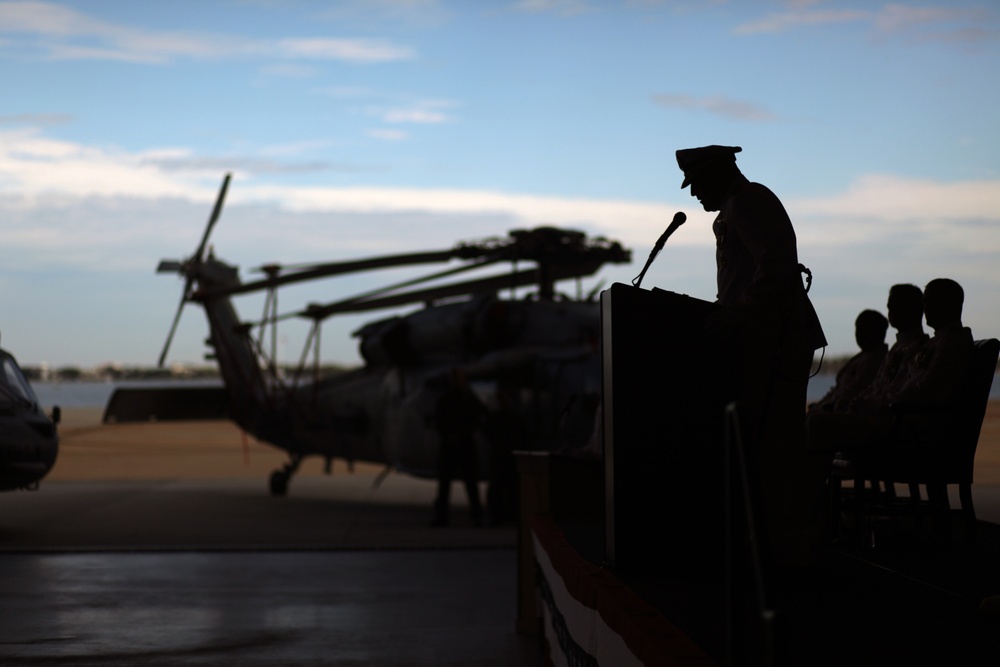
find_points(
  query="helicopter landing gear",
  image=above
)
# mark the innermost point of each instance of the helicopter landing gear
(279, 480)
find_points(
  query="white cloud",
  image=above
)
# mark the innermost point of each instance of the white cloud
(386, 134)
(895, 199)
(344, 92)
(420, 12)
(617, 217)
(949, 25)
(561, 7)
(291, 70)
(424, 112)
(48, 19)
(956, 24)
(73, 52)
(355, 50)
(800, 17)
(66, 34)
(36, 119)
(36, 170)
(886, 211)
(34, 165)
(82, 211)
(894, 18)
(418, 116)
(294, 148)
(719, 105)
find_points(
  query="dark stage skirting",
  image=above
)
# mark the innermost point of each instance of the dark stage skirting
(910, 600)
(591, 618)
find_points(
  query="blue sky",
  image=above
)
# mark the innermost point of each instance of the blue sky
(357, 128)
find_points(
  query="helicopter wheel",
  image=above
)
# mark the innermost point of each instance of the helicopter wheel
(279, 483)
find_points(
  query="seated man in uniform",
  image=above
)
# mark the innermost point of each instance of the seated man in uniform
(859, 372)
(932, 376)
(906, 314)
(940, 365)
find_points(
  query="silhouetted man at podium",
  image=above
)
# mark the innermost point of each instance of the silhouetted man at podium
(766, 320)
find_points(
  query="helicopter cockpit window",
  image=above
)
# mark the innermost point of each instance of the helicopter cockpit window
(15, 386)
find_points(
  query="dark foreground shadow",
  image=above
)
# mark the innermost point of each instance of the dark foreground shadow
(909, 600)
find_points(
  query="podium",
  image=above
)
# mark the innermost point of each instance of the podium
(664, 433)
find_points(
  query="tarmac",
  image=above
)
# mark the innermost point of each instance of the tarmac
(127, 557)
(261, 608)
(159, 544)
(217, 572)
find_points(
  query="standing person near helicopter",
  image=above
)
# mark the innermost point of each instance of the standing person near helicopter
(458, 416)
(767, 322)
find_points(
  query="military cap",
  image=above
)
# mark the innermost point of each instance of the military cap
(693, 160)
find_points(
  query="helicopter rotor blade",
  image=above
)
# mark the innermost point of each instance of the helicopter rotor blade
(534, 245)
(190, 267)
(388, 289)
(306, 271)
(170, 266)
(479, 285)
(216, 212)
(493, 283)
(173, 326)
(316, 271)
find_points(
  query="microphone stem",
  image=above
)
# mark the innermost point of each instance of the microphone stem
(658, 246)
(637, 281)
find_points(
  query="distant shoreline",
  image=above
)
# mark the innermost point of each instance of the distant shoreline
(95, 393)
(115, 373)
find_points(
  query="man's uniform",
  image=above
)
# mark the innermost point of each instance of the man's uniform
(892, 374)
(852, 380)
(771, 331)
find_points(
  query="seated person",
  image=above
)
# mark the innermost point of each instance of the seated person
(906, 313)
(932, 376)
(859, 372)
(939, 367)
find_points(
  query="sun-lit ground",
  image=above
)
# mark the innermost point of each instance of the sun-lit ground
(206, 449)
(89, 450)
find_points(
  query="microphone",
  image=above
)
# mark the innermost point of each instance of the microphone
(679, 219)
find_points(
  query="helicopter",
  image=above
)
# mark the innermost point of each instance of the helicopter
(543, 349)
(29, 441)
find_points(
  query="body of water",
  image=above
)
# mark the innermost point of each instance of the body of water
(96, 394)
